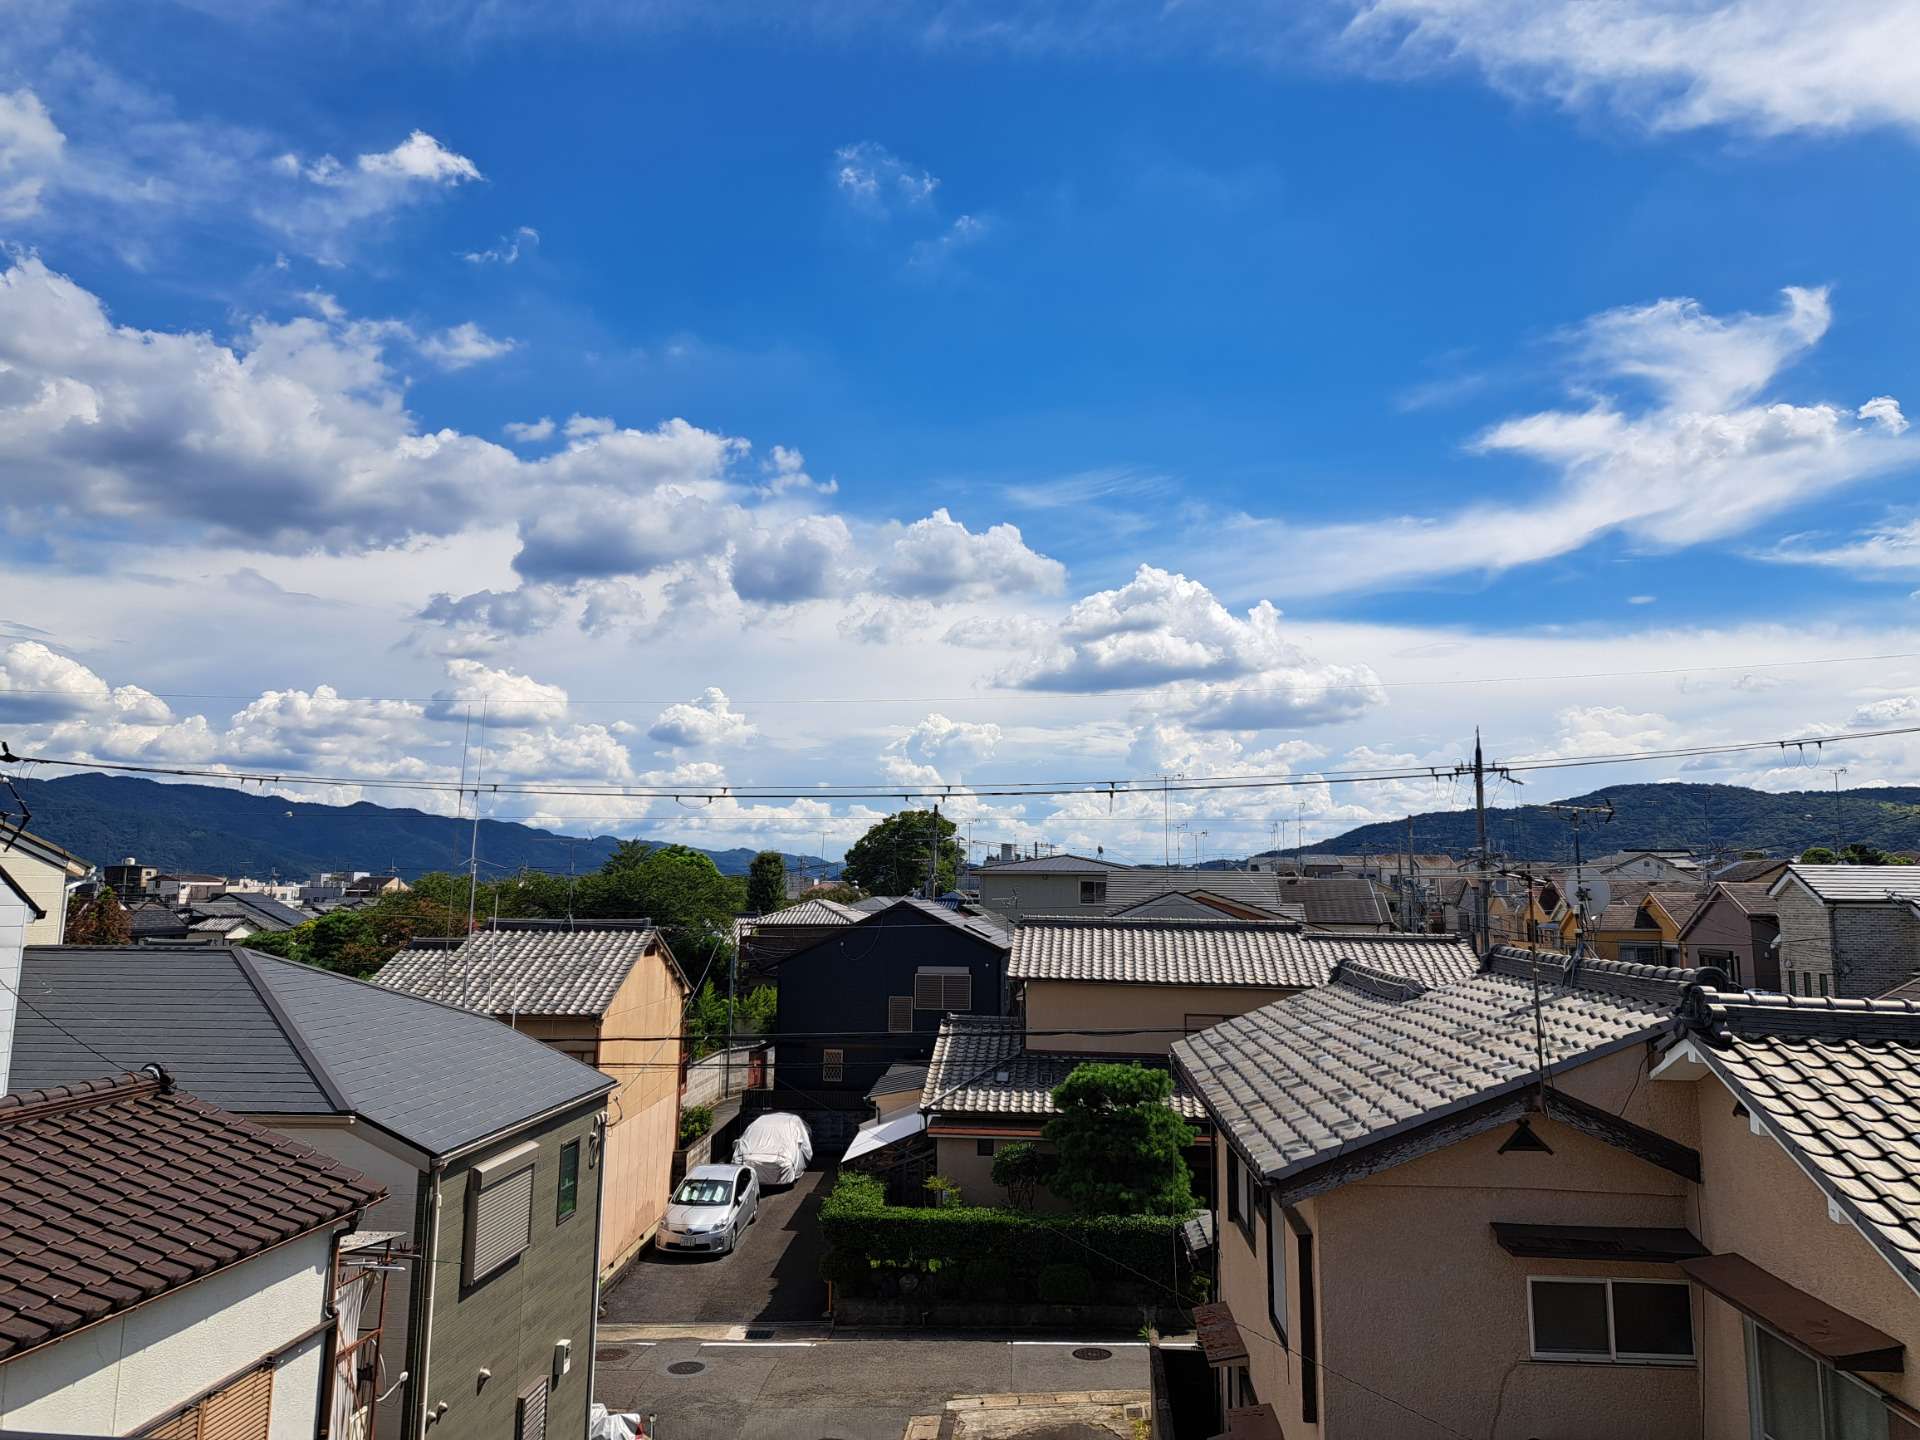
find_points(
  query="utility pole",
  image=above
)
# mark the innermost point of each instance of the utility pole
(1413, 882)
(1836, 810)
(1580, 897)
(933, 855)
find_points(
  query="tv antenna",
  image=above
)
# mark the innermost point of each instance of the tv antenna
(1588, 899)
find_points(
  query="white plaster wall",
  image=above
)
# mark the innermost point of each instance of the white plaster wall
(124, 1373)
(13, 926)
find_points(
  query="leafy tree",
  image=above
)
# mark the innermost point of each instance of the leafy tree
(766, 883)
(1120, 1144)
(1021, 1169)
(1818, 855)
(891, 858)
(679, 889)
(100, 921)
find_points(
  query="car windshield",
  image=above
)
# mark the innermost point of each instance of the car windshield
(703, 1192)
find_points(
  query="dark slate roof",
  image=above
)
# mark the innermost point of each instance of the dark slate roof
(262, 912)
(1051, 865)
(1200, 904)
(1164, 951)
(981, 924)
(1354, 1062)
(899, 1079)
(1855, 882)
(153, 918)
(1742, 872)
(264, 1036)
(529, 967)
(972, 1052)
(115, 1191)
(1837, 1084)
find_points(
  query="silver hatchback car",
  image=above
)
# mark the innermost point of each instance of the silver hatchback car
(711, 1209)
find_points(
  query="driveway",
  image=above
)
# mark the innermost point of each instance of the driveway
(772, 1275)
(844, 1389)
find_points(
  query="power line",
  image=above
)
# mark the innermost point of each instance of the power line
(1110, 789)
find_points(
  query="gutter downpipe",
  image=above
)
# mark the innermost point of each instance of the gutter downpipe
(422, 1318)
(330, 1317)
(600, 1128)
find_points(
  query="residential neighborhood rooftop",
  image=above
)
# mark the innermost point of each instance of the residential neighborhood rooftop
(982, 1067)
(1843, 883)
(812, 912)
(114, 1191)
(1142, 950)
(1375, 1052)
(527, 967)
(260, 1035)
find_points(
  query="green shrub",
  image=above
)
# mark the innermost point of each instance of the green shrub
(1125, 1258)
(695, 1121)
(1021, 1169)
(1064, 1284)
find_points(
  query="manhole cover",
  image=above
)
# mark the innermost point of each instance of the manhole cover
(686, 1367)
(759, 1334)
(607, 1354)
(1092, 1352)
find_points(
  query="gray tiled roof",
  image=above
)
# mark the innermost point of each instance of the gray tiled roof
(899, 1079)
(526, 968)
(1051, 865)
(263, 1036)
(1201, 904)
(981, 923)
(1837, 1083)
(972, 1052)
(262, 912)
(1855, 882)
(1356, 1061)
(813, 912)
(1162, 951)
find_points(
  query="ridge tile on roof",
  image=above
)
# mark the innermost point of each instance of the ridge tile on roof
(525, 970)
(972, 1052)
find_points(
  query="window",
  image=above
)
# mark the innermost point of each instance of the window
(1093, 892)
(1646, 1322)
(941, 988)
(983, 1147)
(1233, 1183)
(1239, 1194)
(499, 1211)
(833, 1066)
(239, 1411)
(900, 1014)
(568, 1199)
(530, 1412)
(1796, 1397)
(1826, 984)
(1277, 1269)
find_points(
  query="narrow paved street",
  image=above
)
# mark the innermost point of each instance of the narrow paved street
(842, 1389)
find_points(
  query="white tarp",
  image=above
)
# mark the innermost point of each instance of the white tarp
(778, 1147)
(878, 1134)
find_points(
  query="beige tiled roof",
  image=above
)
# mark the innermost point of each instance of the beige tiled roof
(1358, 1060)
(1837, 1083)
(1142, 950)
(812, 912)
(973, 1052)
(525, 968)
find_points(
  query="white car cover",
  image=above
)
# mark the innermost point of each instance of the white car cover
(778, 1147)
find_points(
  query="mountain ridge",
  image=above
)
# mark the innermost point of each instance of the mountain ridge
(230, 832)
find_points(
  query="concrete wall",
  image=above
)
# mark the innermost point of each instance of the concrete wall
(121, 1374)
(711, 1080)
(1170, 1011)
(1758, 1203)
(510, 1322)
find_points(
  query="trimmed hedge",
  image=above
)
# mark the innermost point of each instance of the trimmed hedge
(968, 1252)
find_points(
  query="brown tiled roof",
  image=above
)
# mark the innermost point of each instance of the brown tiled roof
(1679, 901)
(118, 1190)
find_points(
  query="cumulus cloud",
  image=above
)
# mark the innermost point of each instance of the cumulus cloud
(504, 697)
(322, 204)
(877, 182)
(1704, 459)
(1608, 730)
(31, 152)
(711, 720)
(1218, 671)
(463, 345)
(529, 431)
(496, 613)
(1769, 66)
(938, 557)
(937, 750)
(36, 683)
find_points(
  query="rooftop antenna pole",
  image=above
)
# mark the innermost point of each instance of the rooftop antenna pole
(933, 855)
(1836, 810)
(1580, 897)
(473, 854)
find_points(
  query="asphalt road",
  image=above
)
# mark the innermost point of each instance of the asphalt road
(772, 1275)
(839, 1389)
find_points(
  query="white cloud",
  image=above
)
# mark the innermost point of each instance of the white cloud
(463, 345)
(37, 683)
(31, 152)
(1889, 549)
(502, 696)
(876, 181)
(1608, 730)
(940, 557)
(1884, 411)
(507, 250)
(936, 750)
(964, 232)
(324, 206)
(420, 157)
(1770, 66)
(529, 431)
(709, 721)
(1705, 459)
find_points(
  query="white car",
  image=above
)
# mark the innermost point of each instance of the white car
(713, 1205)
(779, 1147)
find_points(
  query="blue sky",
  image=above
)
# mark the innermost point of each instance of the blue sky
(881, 354)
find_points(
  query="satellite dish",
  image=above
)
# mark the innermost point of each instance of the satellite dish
(1598, 895)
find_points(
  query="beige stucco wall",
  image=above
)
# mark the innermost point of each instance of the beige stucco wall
(1161, 1009)
(1758, 1203)
(1276, 1371)
(117, 1376)
(888, 1107)
(1015, 893)
(47, 885)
